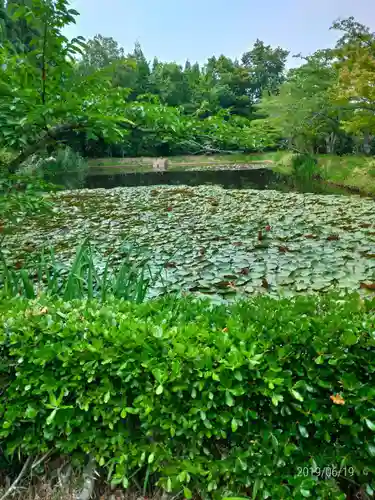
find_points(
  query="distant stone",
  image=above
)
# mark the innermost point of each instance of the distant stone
(160, 165)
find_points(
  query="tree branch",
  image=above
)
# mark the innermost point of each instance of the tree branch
(20, 476)
(44, 76)
(52, 134)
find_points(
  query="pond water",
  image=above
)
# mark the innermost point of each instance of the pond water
(251, 178)
(215, 241)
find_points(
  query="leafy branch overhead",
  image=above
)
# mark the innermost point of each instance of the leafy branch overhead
(43, 96)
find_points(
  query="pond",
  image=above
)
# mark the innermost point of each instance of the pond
(215, 241)
(253, 177)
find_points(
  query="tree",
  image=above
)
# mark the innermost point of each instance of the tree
(101, 52)
(170, 83)
(265, 67)
(355, 90)
(142, 69)
(192, 74)
(303, 108)
(43, 97)
(224, 85)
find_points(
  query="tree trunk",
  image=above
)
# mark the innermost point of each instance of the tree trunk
(331, 142)
(366, 143)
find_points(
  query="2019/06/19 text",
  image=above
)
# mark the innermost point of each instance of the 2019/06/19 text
(326, 472)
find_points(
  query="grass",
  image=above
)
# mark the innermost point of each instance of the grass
(351, 171)
(84, 278)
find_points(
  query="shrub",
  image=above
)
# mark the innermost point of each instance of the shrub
(65, 167)
(262, 398)
(305, 167)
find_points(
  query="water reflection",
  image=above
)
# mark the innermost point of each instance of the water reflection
(256, 178)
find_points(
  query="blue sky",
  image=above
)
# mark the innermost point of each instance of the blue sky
(176, 30)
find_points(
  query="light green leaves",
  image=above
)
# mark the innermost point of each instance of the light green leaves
(297, 395)
(274, 441)
(303, 431)
(234, 425)
(188, 493)
(319, 360)
(349, 338)
(277, 398)
(51, 417)
(229, 399)
(370, 424)
(59, 98)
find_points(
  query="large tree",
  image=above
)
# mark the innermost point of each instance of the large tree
(224, 85)
(265, 66)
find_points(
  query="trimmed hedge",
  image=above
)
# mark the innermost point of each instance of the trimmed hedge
(259, 398)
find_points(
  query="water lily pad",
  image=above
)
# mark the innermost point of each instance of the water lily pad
(208, 248)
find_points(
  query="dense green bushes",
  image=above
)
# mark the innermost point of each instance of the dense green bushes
(260, 398)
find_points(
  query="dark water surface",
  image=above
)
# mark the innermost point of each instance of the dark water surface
(255, 178)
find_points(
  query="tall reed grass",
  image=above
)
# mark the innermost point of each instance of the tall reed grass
(86, 277)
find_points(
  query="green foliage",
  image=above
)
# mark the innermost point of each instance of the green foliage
(88, 276)
(303, 110)
(305, 167)
(6, 157)
(43, 97)
(14, 29)
(166, 130)
(65, 167)
(251, 104)
(101, 52)
(259, 399)
(266, 66)
(326, 105)
(187, 109)
(355, 63)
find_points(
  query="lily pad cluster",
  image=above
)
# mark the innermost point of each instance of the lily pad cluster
(214, 241)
